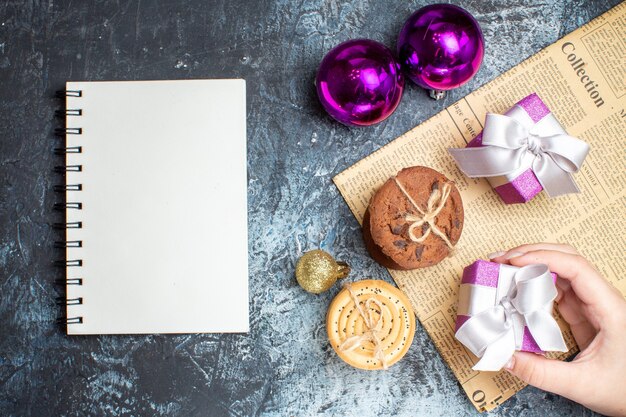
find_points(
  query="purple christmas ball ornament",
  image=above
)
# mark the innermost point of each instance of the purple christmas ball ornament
(359, 82)
(441, 47)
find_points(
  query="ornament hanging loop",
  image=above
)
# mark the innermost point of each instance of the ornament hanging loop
(437, 94)
(343, 269)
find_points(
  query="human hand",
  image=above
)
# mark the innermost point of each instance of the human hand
(596, 313)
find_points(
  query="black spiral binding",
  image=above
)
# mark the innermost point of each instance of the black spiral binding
(70, 225)
(66, 150)
(62, 131)
(68, 187)
(69, 205)
(69, 93)
(69, 301)
(68, 112)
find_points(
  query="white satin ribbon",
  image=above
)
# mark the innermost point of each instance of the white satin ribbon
(494, 334)
(508, 142)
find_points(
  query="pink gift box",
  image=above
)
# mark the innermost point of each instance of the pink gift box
(518, 187)
(478, 292)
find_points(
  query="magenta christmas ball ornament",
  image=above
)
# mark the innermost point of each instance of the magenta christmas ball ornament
(359, 82)
(440, 47)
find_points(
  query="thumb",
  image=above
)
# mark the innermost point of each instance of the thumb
(547, 374)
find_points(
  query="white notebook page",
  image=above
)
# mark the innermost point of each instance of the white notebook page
(164, 209)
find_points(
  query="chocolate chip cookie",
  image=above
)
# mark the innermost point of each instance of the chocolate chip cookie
(413, 220)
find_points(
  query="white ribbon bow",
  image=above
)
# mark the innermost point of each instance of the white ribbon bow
(491, 334)
(506, 142)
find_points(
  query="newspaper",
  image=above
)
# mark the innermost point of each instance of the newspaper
(582, 79)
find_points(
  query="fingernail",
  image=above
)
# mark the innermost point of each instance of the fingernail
(496, 254)
(513, 254)
(510, 364)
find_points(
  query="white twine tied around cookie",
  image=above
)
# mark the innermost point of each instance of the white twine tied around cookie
(373, 324)
(436, 203)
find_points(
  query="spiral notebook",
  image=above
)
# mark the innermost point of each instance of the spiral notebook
(156, 210)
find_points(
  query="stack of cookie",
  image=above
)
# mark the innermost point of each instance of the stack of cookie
(370, 324)
(414, 220)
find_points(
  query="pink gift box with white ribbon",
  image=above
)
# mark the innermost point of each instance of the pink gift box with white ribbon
(503, 308)
(523, 152)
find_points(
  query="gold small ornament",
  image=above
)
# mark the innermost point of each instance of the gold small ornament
(317, 271)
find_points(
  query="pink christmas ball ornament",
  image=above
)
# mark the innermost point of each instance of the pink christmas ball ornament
(441, 47)
(359, 82)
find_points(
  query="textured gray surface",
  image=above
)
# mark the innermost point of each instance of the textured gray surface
(284, 366)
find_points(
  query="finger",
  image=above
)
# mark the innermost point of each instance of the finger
(563, 284)
(586, 282)
(559, 247)
(559, 295)
(547, 374)
(572, 311)
(504, 256)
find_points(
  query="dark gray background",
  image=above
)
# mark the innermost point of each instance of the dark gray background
(284, 366)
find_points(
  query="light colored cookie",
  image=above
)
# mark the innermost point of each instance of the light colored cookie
(348, 331)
